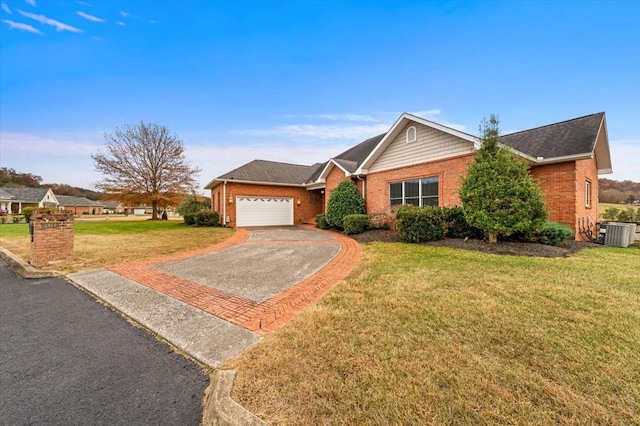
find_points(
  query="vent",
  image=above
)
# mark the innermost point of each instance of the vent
(618, 234)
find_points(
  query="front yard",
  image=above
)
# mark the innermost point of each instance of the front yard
(102, 243)
(434, 335)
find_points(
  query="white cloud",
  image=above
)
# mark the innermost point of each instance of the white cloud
(425, 113)
(358, 132)
(31, 2)
(48, 21)
(84, 3)
(122, 24)
(89, 17)
(624, 160)
(6, 8)
(21, 26)
(124, 14)
(334, 117)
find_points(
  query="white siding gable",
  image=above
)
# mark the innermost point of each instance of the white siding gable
(430, 144)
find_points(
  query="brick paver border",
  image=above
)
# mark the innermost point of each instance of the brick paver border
(266, 316)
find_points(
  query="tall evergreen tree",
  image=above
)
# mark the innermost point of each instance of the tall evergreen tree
(498, 195)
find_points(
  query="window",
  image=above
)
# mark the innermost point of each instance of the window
(411, 134)
(418, 192)
(587, 193)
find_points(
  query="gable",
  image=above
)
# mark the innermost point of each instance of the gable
(430, 144)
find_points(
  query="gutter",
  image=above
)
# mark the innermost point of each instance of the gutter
(224, 203)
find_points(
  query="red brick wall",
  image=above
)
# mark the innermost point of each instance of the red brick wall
(448, 171)
(52, 237)
(310, 202)
(558, 183)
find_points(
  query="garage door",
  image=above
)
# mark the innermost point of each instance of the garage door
(264, 211)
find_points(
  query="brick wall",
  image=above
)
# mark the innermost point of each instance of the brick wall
(51, 237)
(311, 202)
(448, 171)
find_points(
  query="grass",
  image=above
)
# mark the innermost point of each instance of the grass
(102, 243)
(430, 335)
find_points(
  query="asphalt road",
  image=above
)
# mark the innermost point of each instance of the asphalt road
(67, 360)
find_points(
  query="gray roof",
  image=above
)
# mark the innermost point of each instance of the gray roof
(567, 138)
(27, 195)
(271, 172)
(70, 200)
(111, 204)
(358, 153)
(4, 195)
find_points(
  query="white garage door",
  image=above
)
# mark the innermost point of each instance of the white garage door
(264, 211)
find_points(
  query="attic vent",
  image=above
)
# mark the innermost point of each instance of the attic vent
(411, 134)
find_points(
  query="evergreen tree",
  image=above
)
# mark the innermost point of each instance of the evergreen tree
(498, 195)
(344, 200)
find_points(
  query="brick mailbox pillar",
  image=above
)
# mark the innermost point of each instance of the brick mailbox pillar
(51, 237)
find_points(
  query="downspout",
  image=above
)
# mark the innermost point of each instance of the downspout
(224, 204)
(364, 190)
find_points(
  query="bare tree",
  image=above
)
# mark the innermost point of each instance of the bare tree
(144, 164)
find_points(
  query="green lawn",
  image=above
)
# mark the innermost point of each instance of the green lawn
(102, 243)
(431, 335)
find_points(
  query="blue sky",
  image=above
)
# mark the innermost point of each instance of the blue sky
(302, 81)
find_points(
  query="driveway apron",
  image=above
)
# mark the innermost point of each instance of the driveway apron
(213, 302)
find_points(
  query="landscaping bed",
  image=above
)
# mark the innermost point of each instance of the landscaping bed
(565, 249)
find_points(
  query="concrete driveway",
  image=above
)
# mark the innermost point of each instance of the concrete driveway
(214, 303)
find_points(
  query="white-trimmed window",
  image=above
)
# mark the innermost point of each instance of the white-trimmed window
(418, 192)
(412, 134)
(587, 193)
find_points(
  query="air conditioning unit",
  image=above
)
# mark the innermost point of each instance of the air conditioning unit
(618, 234)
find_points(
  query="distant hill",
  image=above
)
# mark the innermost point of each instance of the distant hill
(616, 192)
(62, 189)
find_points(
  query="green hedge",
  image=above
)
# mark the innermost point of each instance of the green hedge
(344, 200)
(202, 218)
(321, 221)
(355, 223)
(553, 233)
(419, 224)
(456, 226)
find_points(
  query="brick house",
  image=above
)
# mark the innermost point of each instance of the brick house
(79, 205)
(419, 162)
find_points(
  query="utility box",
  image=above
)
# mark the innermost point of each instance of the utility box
(618, 234)
(51, 237)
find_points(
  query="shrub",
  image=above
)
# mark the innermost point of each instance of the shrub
(456, 226)
(191, 205)
(16, 218)
(382, 221)
(628, 215)
(419, 224)
(321, 221)
(206, 218)
(355, 223)
(189, 219)
(611, 214)
(344, 200)
(553, 233)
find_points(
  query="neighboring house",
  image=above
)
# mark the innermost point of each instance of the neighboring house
(79, 205)
(112, 207)
(419, 162)
(6, 200)
(142, 209)
(29, 197)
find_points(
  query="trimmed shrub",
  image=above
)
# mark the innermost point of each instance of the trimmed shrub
(206, 218)
(456, 226)
(382, 221)
(419, 224)
(344, 200)
(553, 233)
(321, 221)
(189, 219)
(355, 223)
